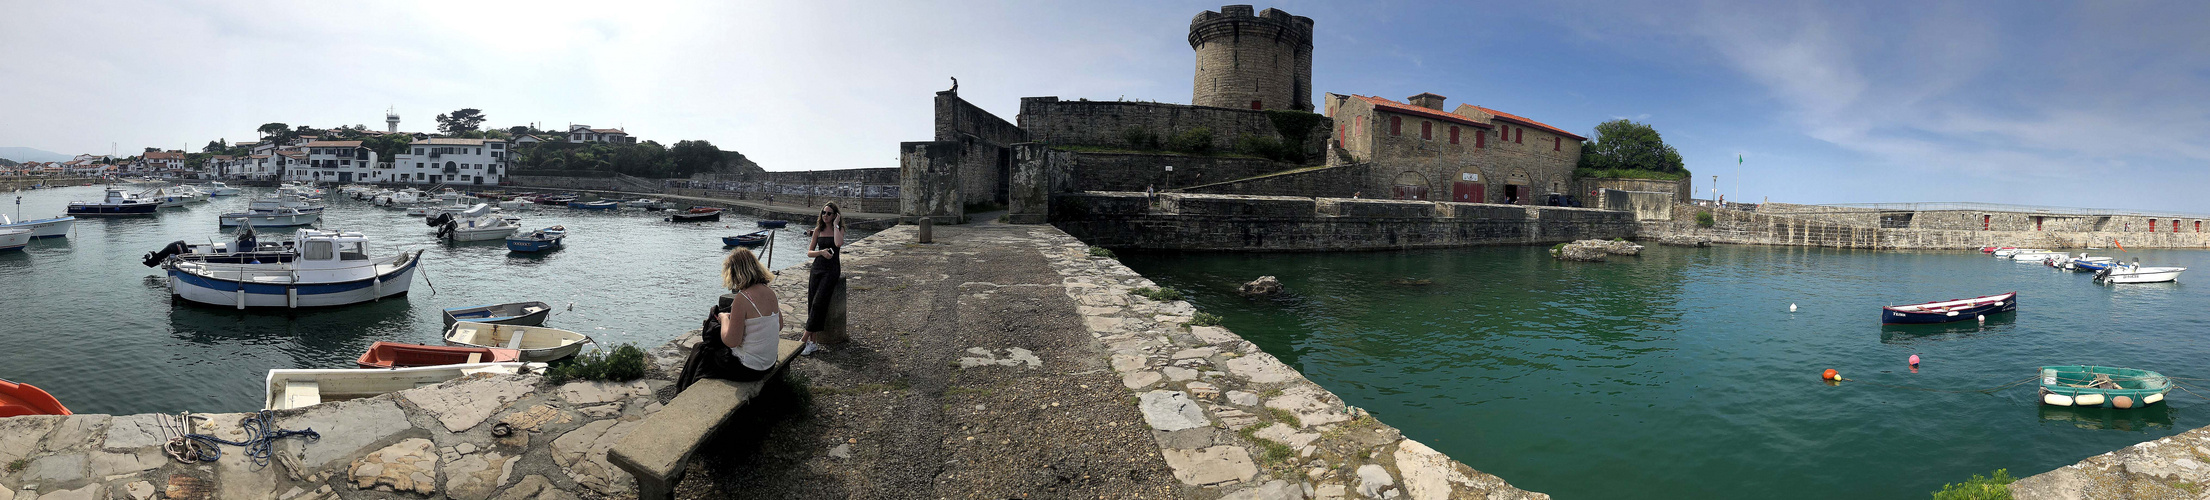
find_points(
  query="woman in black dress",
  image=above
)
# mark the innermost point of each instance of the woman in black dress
(825, 245)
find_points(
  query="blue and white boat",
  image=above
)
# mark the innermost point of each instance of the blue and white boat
(14, 239)
(55, 227)
(538, 241)
(317, 269)
(752, 239)
(117, 204)
(1949, 310)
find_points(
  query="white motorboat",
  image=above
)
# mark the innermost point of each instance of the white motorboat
(642, 203)
(117, 204)
(217, 188)
(2134, 273)
(177, 196)
(514, 204)
(56, 227)
(319, 268)
(269, 213)
(398, 198)
(473, 228)
(2075, 263)
(14, 238)
(2007, 252)
(476, 210)
(2035, 255)
(300, 388)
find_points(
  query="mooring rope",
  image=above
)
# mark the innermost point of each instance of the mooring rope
(260, 443)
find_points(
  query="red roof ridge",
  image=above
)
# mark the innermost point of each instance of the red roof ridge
(1399, 107)
(1524, 121)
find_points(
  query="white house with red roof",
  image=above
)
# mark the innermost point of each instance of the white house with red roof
(475, 162)
(1473, 154)
(584, 133)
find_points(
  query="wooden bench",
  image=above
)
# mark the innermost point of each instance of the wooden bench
(660, 448)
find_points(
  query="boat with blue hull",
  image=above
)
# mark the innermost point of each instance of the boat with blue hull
(1949, 310)
(752, 239)
(318, 269)
(550, 238)
(54, 227)
(117, 204)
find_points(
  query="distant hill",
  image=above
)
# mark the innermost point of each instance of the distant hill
(23, 154)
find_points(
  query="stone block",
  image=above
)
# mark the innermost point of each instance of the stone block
(363, 423)
(1209, 466)
(462, 404)
(1171, 411)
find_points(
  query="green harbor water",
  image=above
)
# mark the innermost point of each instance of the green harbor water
(83, 319)
(1683, 374)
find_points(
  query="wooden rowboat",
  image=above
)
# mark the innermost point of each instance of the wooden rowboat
(2103, 386)
(290, 388)
(518, 313)
(752, 239)
(397, 355)
(537, 343)
(19, 399)
(1950, 310)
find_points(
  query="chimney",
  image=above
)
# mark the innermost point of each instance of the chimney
(1428, 100)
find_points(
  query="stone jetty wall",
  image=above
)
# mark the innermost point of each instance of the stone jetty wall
(1282, 223)
(1852, 228)
(2170, 467)
(14, 183)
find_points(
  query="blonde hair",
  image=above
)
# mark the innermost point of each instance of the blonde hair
(741, 270)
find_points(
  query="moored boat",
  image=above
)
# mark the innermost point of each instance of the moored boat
(551, 238)
(483, 228)
(217, 188)
(695, 216)
(531, 313)
(2035, 255)
(2134, 273)
(2102, 386)
(117, 204)
(14, 238)
(1950, 310)
(537, 343)
(319, 268)
(752, 239)
(595, 205)
(54, 227)
(19, 399)
(268, 212)
(300, 388)
(399, 355)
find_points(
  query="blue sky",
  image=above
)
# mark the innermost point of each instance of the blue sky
(1829, 102)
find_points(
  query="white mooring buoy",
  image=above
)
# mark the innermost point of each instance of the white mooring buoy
(1791, 308)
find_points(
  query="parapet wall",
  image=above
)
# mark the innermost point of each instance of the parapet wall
(1826, 227)
(1137, 171)
(1288, 224)
(1107, 124)
(1343, 181)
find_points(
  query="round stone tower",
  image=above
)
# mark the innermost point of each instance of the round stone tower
(1252, 62)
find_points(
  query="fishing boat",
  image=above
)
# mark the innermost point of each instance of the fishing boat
(774, 224)
(217, 188)
(54, 227)
(268, 212)
(317, 268)
(551, 238)
(483, 228)
(537, 343)
(117, 204)
(595, 205)
(300, 388)
(176, 196)
(2102, 386)
(1950, 310)
(2085, 263)
(518, 313)
(642, 203)
(697, 214)
(2134, 273)
(397, 355)
(2035, 255)
(19, 399)
(752, 239)
(14, 239)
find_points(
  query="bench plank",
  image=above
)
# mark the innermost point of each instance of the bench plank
(660, 447)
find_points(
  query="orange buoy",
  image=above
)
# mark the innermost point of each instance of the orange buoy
(2122, 402)
(1830, 375)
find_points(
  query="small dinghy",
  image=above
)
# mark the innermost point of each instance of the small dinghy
(300, 388)
(518, 313)
(697, 214)
(2102, 386)
(19, 399)
(537, 343)
(774, 224)
(397, 355)
(595, 205)
(1949, 310)
(752, 239)
(538, 241)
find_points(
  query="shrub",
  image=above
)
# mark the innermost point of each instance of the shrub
(624, 363)
(1993, 487)
(1704, 219)
(1140, 138)
(1267, 147)
(1194, 141)
(1205, 319)
(1101, 252)
(1161, 294)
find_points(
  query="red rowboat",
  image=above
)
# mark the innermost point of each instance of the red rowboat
(705, 210)
(397, 355)
(24, 399)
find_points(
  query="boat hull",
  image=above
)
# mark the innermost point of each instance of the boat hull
(277, 220)
(526, 245)
(17, 399)
(538, 344)
(2144, 275)
(244, 294)
(519, 313)
(57, 227)
(399, 355)
(14, 239)
(1893, 315)
(687, 217)
(2100, 386)
(288, 388)
(118, 210)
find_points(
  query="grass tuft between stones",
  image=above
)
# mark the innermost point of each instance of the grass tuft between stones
(622, 364)
(18, 464)
(1205, 319)
(1101, 252)
(1161, 294)
(1994, 486)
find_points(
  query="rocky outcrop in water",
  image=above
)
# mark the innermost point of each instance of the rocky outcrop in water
(1683, 240)
(1621, 247)
(1264, 286)
(1581, 251)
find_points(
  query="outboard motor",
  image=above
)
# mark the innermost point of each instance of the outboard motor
(446, 231)
(246, 242)
(156, 258)
(439, 220)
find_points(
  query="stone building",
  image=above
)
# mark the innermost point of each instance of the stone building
(1252, 62)
(1470, 154)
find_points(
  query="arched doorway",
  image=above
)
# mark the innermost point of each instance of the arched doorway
(1409, 186)
(1467, 188)
(1515, 188)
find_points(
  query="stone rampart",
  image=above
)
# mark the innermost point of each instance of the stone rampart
(1646, 205)
(1825, 228)
(1678, 190)
(1136, 171)
(1342, 181)
(1277, 223)
(1108, 124)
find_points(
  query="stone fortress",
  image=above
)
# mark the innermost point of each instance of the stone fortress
(1259, 62)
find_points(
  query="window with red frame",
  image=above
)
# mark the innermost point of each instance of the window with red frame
(1480, 140)
(1453, 134)
(1519, 136)
(1396, 125)
(1427, 130)
(1556, 143)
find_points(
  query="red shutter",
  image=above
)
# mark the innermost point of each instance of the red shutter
(2152, 225)
(1519, 136)
(1256, 105)
(1556, 143)
(1396, 125)
(1453, 134)
(1480, 140)
(1427, 130)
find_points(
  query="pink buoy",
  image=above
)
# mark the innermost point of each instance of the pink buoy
(1914, 360)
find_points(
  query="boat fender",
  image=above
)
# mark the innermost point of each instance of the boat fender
(2151, 399)
(2088, 400)
(1830, 374)
(2056, 400)
(2121, 402)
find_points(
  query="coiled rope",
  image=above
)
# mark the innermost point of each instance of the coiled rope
(260, 443)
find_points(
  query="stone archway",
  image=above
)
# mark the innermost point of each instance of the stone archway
(1517, 187)
(1409, 186)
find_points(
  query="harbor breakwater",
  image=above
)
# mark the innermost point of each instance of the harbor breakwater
(1841, 227)
(1285, 223)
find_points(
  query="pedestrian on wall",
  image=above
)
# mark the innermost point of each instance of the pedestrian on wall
(825, 245)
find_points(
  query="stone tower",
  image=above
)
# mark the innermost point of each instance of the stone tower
(1252, 62)
(391, 120)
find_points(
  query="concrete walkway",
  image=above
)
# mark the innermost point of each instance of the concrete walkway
(795, 214)
(1004, 361)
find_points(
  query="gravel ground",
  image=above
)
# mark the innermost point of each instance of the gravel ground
(897, 413)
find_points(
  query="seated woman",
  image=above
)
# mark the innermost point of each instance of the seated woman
(749, 330)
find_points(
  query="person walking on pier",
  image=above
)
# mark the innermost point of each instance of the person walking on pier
(825, 246)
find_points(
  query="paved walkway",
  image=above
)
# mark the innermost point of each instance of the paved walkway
(1003, 361)
(802, 215)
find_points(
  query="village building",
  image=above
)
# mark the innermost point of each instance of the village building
(584, 133)
(1470, 154)
(156, 161)
(453, 161)
(338, 161)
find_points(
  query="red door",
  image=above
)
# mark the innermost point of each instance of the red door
(1467, 192)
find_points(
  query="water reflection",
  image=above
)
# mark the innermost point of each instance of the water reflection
(1907, 334)
(2152, 417)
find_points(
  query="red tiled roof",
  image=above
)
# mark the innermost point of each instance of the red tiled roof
(332, 144)
(1398, 107)
(609, 131)
(1531, 123)
(163, 155)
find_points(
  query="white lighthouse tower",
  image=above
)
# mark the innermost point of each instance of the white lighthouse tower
(391, 121)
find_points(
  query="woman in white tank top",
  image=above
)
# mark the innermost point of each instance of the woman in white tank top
(750, 330)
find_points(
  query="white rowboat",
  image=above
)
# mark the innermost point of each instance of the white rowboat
(292, 388)
(537, 343)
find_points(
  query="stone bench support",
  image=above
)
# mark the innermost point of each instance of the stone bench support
(660, 448)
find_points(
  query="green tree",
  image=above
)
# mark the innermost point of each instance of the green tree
(215, 146)
(463, 120)
(1623, 147)
(274, 131)
(690, 157)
